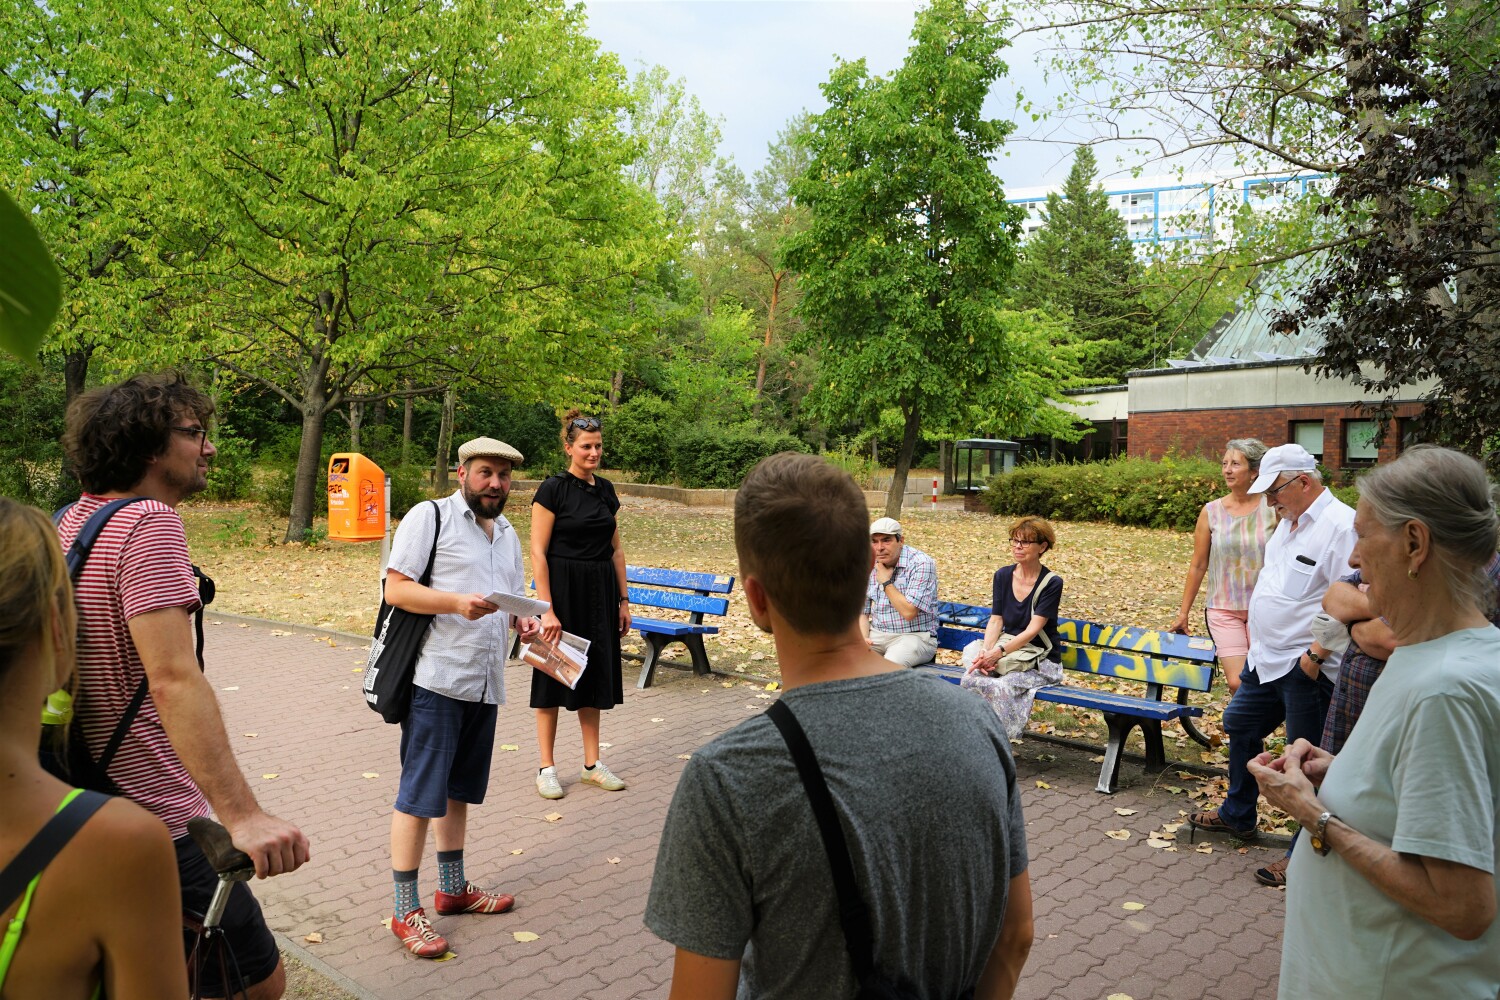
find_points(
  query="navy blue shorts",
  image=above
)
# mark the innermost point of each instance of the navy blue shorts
(245, 932)
(446, 746)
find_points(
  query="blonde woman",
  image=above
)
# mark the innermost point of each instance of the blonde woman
(1229, 548)
(105, 913)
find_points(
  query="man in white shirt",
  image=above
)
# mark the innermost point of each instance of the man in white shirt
(448, 737)
(1288, 676)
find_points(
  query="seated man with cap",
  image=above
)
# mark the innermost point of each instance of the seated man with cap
(900, 617)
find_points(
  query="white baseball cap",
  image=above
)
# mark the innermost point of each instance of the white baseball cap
(1282, 458)
(886, 526)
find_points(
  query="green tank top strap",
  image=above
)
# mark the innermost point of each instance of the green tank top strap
(12, 939)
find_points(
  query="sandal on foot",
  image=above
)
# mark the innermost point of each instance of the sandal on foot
(1211, 822)
(1273, 874)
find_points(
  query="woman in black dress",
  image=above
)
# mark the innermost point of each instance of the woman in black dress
(580, 568)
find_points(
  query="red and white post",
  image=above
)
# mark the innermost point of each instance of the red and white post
(934, 494)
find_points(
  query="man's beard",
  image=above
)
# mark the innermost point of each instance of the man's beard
(486, 507)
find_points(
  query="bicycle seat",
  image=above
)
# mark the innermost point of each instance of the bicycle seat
(228, 861)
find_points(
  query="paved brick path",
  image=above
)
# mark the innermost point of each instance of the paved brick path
(1206, 929)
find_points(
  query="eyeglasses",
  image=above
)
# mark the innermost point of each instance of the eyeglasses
(1025, 541)
(1272, 493)
(200, 432)
(584, 423)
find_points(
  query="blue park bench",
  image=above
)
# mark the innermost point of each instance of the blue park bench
(1160, 660)
(697, 594)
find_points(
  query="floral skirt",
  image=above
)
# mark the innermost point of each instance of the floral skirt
(1011, 695)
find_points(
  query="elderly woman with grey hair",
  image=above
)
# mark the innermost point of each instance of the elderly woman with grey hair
(1393, 891)
(1229, 547)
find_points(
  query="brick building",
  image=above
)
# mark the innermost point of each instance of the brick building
(1242, 381)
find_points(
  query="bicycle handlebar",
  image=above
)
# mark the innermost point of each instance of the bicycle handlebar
(213, 840)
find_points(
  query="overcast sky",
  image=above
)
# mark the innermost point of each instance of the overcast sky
(755, 63)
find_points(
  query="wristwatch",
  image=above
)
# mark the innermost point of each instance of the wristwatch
(1318, 838)
(1319, 660)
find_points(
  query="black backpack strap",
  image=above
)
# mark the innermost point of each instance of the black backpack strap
(78, 554)
(854, 916)
(41, 849)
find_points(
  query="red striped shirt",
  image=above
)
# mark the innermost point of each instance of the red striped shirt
(138, 564)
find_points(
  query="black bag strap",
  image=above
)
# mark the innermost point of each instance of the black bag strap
(41, 849)
(854, 915)
(437, 529)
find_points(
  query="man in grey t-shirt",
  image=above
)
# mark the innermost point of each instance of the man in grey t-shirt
(919, 771)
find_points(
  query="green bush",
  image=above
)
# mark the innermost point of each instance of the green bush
(1165, 494)
(229, 476)
(639, 437)
(275, 489)
(710, 456)
(857, 465)
(408, 488)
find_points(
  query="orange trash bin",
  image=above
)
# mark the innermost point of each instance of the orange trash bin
(356, 499)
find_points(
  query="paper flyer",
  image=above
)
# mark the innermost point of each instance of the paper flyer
(561, 661)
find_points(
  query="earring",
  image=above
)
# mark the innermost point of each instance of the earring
(1411, 574)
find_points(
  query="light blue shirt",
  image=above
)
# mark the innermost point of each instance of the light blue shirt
(462, 659)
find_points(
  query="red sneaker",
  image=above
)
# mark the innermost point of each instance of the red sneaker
(472, 900)
(417, 935)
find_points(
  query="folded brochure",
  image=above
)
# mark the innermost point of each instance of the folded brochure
(517, 604)
(563, 661)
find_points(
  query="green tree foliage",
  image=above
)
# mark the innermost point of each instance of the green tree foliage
(1398, 103)
(910, 244)
(363, 196)
(1082, 265)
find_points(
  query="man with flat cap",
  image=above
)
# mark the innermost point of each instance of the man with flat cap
(448, 737)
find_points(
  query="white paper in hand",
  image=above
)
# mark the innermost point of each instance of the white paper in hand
(515, 604)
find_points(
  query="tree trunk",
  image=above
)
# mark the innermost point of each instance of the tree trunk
(765, 349)
(445, 441)
(406, 433)
(76, 372)
(299, 525)
(945, 462)
(903, 463)
(616, 387)
(356, 417)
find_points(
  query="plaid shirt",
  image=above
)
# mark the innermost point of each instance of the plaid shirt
(1359, 673)
(916, 579)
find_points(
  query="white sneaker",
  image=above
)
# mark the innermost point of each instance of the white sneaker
(602, 776)
(547, 785)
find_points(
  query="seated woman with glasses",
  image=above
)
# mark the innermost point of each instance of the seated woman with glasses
(104, 911)
(1025, 603)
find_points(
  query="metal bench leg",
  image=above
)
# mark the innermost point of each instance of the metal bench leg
(1109, 771)
(1156, 753)
(694, 644)
(654, 644)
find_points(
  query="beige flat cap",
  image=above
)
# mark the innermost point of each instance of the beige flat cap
(488, 448)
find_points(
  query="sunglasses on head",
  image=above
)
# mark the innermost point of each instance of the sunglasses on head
(584, 423)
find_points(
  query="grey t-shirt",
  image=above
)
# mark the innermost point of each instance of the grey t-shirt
(923, 781)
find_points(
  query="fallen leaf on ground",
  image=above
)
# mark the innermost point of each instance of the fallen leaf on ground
(509, 746)
(357, 670)
(727, 684)
(772, 686)
(1204, 849)
(1132, 907)
(606, 746)
(664, 720)
(370, 774)
(1163, 835)
(684, 756)
(517, 851)
(1046, 756)
(1042, 784)
(614, 861)
(268, 777)
(552, 817)
(1117, 834)
(1158, 843)
(1171, 827)
(524, 936)
(1124, 812)
(763, 696)
(313, 938)
(252, 735)
(1173, 789)
(1120, 996)
(1098, 760)
(232, 687)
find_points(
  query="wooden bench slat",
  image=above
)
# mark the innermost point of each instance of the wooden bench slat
(1135, 667)
(661, 627)
(677, 601)
(708, 583)
(1122, 704)
(1138, 640)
